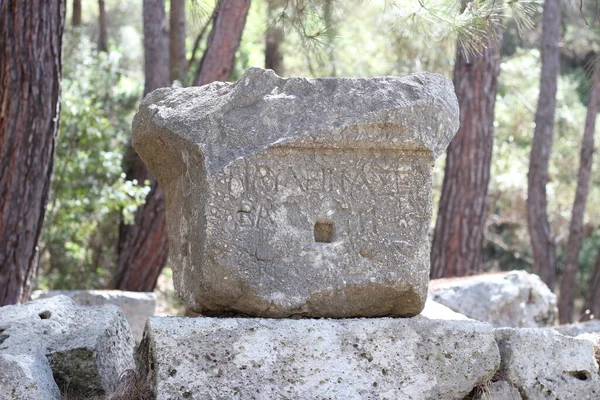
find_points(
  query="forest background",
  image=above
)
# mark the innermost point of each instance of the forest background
(98, 184)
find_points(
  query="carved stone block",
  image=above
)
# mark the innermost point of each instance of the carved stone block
(299, 197)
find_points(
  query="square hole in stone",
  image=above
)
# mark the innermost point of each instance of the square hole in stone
(324, 232)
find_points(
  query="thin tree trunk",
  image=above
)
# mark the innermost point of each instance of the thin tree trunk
(591, 308)
(156, 45)
(542, 239)
(103, 31)
(76, 17)
(460, 226)
(331, 34)
(177, 41)
(30, 73)
(568, 283)
(143, 247)
(224, 39)
(274, 39)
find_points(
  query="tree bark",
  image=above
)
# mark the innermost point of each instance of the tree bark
(30, 73)
(143, 247)
(178, 60)
(542, 239)
(568, 283)
(224, 40)
(274, 39)
(76, 16)
(103, 31)
(591, 308)
(460, 226)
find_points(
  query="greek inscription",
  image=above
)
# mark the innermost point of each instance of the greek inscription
(367, 221)
(254, 216)
(370, 177)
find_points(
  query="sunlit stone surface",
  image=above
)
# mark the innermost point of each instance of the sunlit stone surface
(299, 197)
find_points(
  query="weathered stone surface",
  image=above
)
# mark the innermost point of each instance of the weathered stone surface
(137, 306)
(26, 376)
(308, 197)
(247, 358)
(579, 328)
(435, 310)
(87, 348)
(543, 364)
(508, 299)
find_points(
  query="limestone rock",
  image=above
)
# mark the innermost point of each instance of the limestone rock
(299, 197)
(137, 306)
(248, 358)
(87, 348)
(543, 364)
(579, 328)
(26, 376)
(435, 310)
(508, 299)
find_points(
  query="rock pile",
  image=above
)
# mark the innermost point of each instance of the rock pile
(304, 198)
(312, 198)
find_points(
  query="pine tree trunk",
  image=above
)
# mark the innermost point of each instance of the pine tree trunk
(542, 239)
(568, 284)
(30, 73)
(76, 17)
(103, 31)
(224, 39)
(156, 46)
(591, 308)
(143, 247)
(274, 39)
(460, 226)
(592, 301)
(178, 59)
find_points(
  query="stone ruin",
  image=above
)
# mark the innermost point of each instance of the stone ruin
(291, 198)
(299, 197)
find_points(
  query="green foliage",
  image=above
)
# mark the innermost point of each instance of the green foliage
(89, 189)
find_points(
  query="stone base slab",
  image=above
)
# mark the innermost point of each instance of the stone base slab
(384, 358)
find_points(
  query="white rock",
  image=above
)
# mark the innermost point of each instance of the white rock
(543, 364)
(87, 348)
(579, 328)
(384, 358)
(26, 377)
(435, 310)
(510, 299)
(137, 306)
